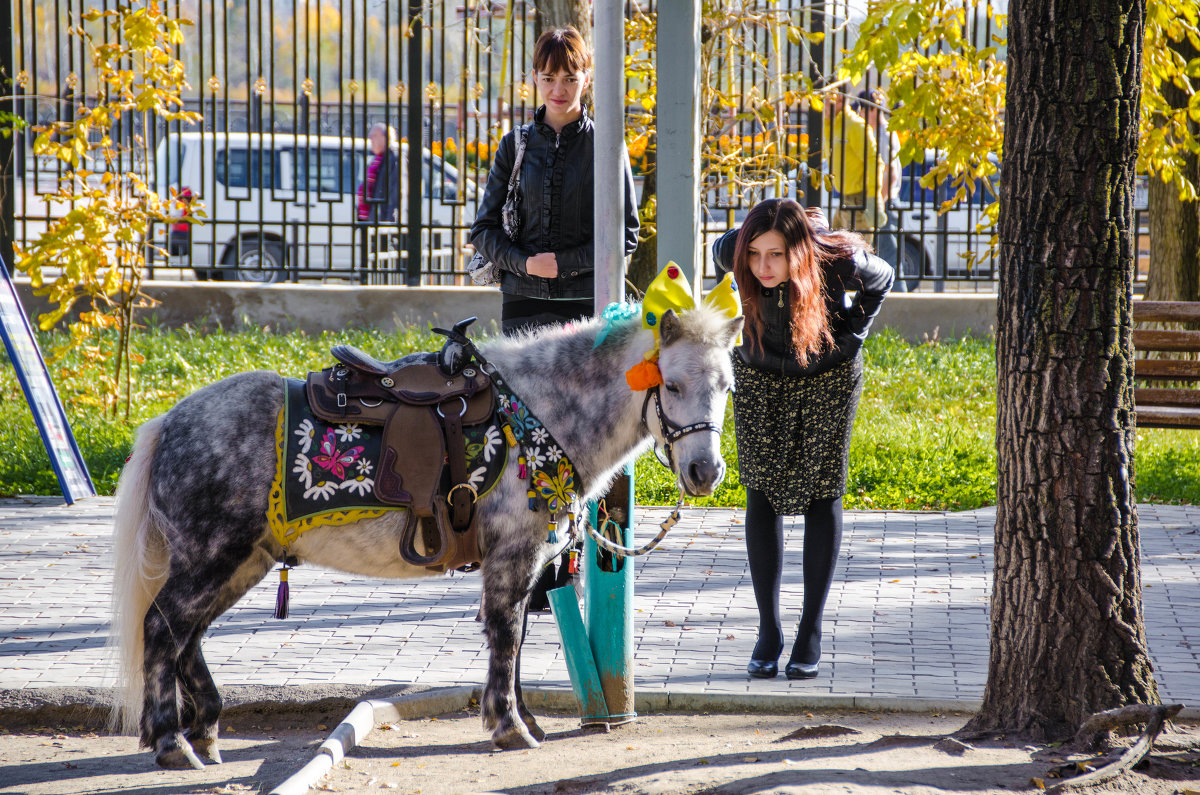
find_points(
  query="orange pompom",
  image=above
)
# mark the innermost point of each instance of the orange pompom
(643, 375)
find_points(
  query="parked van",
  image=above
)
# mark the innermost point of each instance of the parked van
(279, 206)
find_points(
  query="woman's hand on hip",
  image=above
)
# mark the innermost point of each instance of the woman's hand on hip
(544, 265)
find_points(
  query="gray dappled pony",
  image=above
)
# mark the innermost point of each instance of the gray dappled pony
(191, 536)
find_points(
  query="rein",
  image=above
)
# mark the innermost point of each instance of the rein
(629, 552)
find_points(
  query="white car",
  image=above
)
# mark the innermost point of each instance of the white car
(281, 206)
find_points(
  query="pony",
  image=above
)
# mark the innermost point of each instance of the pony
(191, 535)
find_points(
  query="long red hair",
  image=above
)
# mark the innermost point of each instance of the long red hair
(807, 252)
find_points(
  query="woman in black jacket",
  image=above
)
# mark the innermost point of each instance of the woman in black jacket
(798, 377)
(546, 272)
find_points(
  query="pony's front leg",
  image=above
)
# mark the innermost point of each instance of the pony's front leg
(508, 575)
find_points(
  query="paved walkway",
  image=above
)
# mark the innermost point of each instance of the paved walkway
(907, 617)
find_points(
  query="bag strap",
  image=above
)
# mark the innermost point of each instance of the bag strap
(514, 178)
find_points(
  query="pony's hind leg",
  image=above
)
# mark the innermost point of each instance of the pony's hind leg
(168, 631)
(174, 665)
(508, 576)
(201, 701)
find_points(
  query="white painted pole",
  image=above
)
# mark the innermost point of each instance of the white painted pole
(609, 175)
(678, 162)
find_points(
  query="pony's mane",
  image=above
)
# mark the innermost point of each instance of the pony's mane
(704, 325)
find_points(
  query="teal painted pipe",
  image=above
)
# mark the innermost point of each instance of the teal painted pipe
(580, 663)
(608, 606)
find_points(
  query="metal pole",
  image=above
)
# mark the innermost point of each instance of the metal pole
(608, 142)
(608, 604)
(678, 164)
(416, 141)
(8, 183)
(815, 122)
(608, 595)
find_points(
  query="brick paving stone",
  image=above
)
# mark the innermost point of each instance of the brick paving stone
(907, 615)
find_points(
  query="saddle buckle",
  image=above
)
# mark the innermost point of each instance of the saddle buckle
(341, 400)
(474, 492)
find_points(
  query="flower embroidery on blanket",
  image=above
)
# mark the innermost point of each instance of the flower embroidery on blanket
(558, 490)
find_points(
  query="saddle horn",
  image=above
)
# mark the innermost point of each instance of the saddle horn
(452, 357)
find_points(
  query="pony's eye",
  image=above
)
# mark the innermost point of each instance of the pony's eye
(672, 387)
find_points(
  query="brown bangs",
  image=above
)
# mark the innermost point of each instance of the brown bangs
(561, 50)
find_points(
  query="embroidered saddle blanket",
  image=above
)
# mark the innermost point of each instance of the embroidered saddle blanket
(326, 472)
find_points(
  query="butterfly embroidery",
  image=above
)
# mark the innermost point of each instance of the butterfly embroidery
(335, 460)
(557, 490)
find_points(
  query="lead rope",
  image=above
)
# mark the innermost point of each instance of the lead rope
(629, 552)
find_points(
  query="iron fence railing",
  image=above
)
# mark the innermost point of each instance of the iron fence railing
(289, 91)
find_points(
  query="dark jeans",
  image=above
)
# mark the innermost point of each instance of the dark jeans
(518, 313)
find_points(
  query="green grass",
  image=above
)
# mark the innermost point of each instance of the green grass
(923, 438)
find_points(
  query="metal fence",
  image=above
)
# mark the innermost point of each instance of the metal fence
(289, 91)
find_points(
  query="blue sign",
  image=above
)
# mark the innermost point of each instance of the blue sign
(47, 410)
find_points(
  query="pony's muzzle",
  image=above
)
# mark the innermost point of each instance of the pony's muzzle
(702, 477)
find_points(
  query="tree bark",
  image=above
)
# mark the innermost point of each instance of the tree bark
(643, 265)
(1175, 224)
(1067, 635)
(559, 13)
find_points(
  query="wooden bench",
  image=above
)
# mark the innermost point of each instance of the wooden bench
(1177, 407)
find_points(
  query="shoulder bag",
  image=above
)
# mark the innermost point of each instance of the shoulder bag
(483, 271)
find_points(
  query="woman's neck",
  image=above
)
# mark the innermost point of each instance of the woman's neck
(558, 122)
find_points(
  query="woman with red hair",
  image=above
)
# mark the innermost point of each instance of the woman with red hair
(798, 373)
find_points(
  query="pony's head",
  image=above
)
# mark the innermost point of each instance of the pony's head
(685, 410)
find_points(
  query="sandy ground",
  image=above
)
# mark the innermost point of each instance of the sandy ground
(840, 752)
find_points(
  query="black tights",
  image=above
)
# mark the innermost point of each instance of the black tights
(764, 548)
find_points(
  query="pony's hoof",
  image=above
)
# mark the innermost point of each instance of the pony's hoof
(534, 729)
(515, 737)
(206, 748)
(178, 755)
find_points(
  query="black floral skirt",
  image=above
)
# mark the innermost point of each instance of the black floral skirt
(793, 432)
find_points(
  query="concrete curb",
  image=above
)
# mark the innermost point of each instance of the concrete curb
(365, 716)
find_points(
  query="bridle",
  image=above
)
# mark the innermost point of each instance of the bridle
(671, 431)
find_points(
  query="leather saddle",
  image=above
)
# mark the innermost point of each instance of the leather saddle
(423, 401)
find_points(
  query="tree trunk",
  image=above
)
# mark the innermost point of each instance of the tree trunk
(643, 265)
(1175, 224)
(559, 13)
(1067, 637)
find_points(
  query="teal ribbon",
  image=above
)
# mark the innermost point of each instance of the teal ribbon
(614, 313)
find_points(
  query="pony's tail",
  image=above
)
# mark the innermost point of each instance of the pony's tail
(140, 561)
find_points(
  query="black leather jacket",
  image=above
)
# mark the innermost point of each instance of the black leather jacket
(555, 210)
(849, 319)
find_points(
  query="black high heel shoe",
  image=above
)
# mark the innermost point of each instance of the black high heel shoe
(798, 670)
(763, 669)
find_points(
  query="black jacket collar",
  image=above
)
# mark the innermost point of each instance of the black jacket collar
(569, 131)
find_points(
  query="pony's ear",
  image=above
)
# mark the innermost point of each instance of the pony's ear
(669, 328)
(731, 331)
